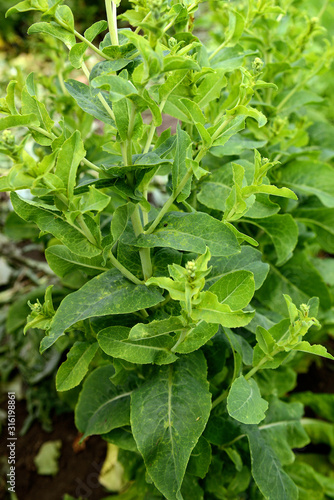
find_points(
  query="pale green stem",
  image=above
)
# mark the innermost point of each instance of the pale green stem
(86, 230)
(220, 398)
(145, 19)
(100, 96)
(181, 338)
(221, 46)
(145, 254)
(112, 21)
(169, 202)
(152, 129)
(260, 364)
(91, 45)
(128, 274)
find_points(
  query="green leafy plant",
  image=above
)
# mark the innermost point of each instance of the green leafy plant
(183, 336)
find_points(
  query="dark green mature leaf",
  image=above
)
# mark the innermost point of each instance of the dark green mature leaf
(156, 328)
(88, 100)
(51, 222)
(191, 232)
(108, 293)
(283, 232)
(244, 402)
(249, 259)
(200, 459)
(300, 176)
(114, 341)
(73, 370)
(168, 415)
(321, 220)
(62, 261)
(297, 278)
(100, 411)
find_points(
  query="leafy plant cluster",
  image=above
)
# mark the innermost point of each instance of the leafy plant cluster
(194, 254)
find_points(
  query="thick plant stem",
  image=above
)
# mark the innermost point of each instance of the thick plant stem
(112, 21)
(128, 274)
(169, 202)
(144, 253)
(86, 230)
(261, 363)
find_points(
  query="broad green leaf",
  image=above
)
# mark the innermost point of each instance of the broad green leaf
(177, 402)
(100, 411)
(73, 370)
(175, 62)
(107, 67)
(269, 189)
(230, 58)
(322, 404)
(120, 220)
(156, 328)
(300, 176)
(108, 293)
(321, 220)
(179, 168)
(18, 121)
(26, 5)
(194, 111)
(210, 310)
(248, 111)
(62, 261)
(197, 337)
(210, 87)
(307, 481)
(200, 459)
(318, 350)
(249, 259)
(283, 232)
(244, 402)
(117, 86)
(114, 341)
(276, 382)
(190, 232)
(267, 470)
(54, 30)
(297, 278)
(88, 100)
(51, 222)
(69, 158)
(235, 289)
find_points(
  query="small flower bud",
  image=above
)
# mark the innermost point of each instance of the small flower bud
(8, 137)
(257, 65)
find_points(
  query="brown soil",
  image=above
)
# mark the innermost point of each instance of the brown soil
(78, 469)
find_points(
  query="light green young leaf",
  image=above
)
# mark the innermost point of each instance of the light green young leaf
(54, 30)
(249, 111)
(235, 289)
(190, 232)
(210, 310)
(114, 341)
(244, 402)
(318, 350)
(100, 411)
(18, 121)
(197, 337)
(179, 168)
(177, 419)
(26, 5)
(117, 86)
(73, 370)
(108, 293)
(249, 259)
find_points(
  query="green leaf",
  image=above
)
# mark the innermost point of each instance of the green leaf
(54, 30)
(156, 328)
(249, 259)
(117, 86)
(78, 50)
(25, 6)
(235, 289)
(120, 220)
(297, 278)
(18, 121)
(177, 402)
(101, 406)
(197, 337)
(62, 261)
(321, 220)
(73, 370)
(241, 110)
(210, 310)
(299, 176)
(88, 101)
(318, 350)
(190, 232)
(267, 470)
(283, 232)
(114, 341)
(108, 293)
(200, 459)
(69, 158)
(179, 168)
(210, 87)
(244, 402)
(51, 222)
